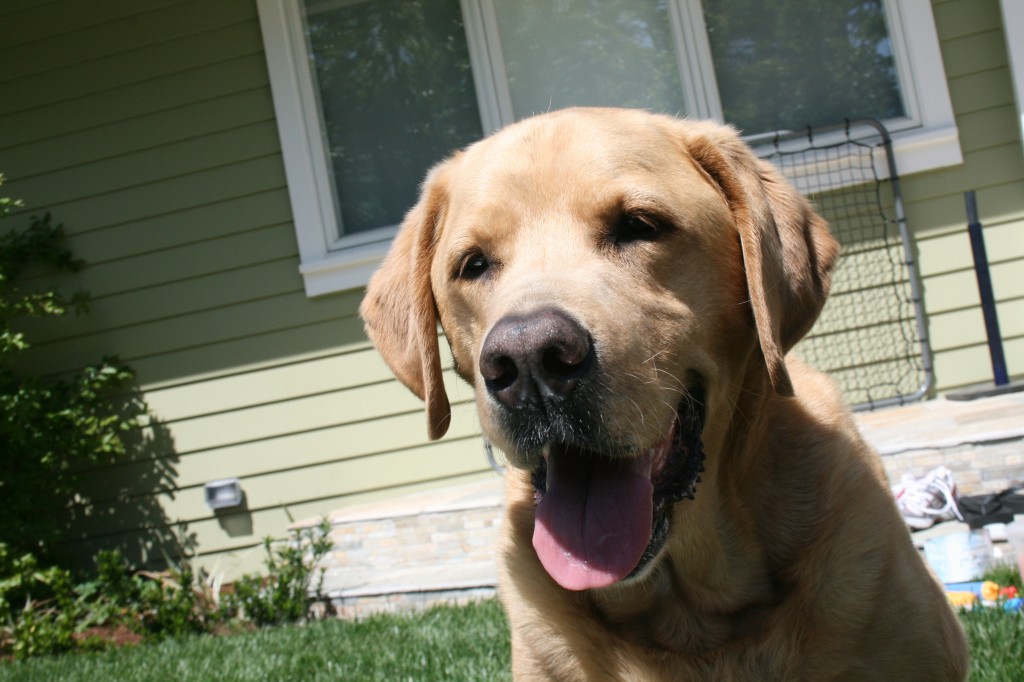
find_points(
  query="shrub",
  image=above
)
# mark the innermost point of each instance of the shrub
(283, 596)
(156, 604)
(45, 613)
(37, 604)
(42, 612)
(49, 426)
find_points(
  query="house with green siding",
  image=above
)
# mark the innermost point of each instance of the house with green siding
(233, 171)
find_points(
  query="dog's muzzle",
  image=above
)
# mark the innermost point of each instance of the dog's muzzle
(602, 514)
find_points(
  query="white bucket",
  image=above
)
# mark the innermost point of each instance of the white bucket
(961, 556)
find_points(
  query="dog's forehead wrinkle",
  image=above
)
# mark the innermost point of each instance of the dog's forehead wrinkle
(545, 195)
(527, 158)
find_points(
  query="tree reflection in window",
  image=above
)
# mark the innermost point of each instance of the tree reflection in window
(788, 64)
(397, 95)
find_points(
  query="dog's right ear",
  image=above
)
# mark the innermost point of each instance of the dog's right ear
(399, 308)
(788, 253)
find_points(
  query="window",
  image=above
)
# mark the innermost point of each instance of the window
(847, 69)
(396, 94)
(552, 55)
(370, 93)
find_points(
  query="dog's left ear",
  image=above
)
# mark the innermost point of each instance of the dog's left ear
(399, 308)
(788, 252)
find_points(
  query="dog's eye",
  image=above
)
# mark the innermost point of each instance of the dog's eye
(473, 265)
(636, 227)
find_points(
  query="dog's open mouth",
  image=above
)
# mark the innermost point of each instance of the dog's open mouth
(600, 520)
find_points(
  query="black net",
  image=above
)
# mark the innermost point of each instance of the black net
(869, 336)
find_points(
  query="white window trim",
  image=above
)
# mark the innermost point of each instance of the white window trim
(305, 163)
(1013, 15)
(932, 143)
(936, 142)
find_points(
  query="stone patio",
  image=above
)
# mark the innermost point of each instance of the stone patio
(439, 546)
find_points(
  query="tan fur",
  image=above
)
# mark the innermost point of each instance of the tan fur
(792, 563)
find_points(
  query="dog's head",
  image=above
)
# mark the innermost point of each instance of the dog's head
(599, 274)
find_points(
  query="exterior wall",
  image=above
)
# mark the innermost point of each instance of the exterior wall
(147, 128)
(974, 51)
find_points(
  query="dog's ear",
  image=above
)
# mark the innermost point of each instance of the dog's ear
(399, 308)
(788, 252)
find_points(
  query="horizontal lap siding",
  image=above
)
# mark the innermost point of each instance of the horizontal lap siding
(974, 53)
(147, 129)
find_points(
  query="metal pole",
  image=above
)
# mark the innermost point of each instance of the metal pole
(988, 301)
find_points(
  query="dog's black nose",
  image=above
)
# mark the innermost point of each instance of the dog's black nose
(535, 358)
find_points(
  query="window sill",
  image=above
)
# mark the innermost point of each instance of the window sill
(925, 150)
(341, 271)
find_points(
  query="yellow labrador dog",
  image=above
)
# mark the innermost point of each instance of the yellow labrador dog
(683, 503)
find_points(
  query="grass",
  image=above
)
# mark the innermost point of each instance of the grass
(996, 637)
(447, 643)
(452, 643)
(997, 645)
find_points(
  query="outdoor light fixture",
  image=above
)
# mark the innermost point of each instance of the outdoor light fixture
(223, 493)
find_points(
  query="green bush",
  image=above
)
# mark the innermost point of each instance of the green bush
(49, 426)
(37, 604)
(283, 595)
(58, 616)
(42, 612)
(156, 604)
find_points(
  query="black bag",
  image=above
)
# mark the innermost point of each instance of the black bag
(981, 510)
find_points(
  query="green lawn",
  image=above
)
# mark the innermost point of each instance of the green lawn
(469, 643)
(453, 643)
(997, 645)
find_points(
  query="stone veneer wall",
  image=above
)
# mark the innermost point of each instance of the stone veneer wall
(443, 550)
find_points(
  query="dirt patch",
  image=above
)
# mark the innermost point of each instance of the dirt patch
(109, 635)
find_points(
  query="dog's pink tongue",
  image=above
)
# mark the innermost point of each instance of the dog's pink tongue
(593, 522)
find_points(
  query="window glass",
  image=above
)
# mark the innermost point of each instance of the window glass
(396, 94)
(560, 53)
(787, 64)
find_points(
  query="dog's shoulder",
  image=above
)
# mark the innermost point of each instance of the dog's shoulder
(819, 419)
(818, 395)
